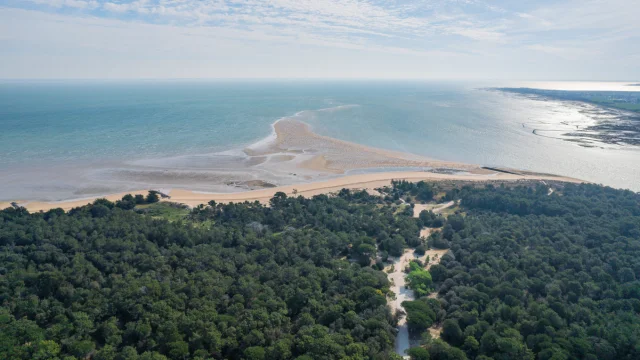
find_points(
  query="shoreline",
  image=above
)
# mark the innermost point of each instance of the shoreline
(292, 159)
(361, 181)
(290, 155)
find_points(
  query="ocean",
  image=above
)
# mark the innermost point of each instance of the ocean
(73, 139)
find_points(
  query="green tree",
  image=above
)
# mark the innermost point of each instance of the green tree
(420, 315)
(439, 350)
(471, 346)
(152, 197)
(82, 348)
(418, 353)
(178, 350)
(46, 349)
(451, 332)
(254, 353)
(419, 279)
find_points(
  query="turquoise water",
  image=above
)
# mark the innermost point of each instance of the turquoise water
(67, 121)
(58, 138)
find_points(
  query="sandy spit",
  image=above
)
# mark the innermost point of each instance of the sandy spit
(330, 155)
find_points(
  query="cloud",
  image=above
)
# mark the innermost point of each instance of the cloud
(498, 36)
(77, 4)
(355, 18)
(567, 52)
(481, 34)
(589, 15)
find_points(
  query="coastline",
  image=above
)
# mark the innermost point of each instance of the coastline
(308, 189)
(292, 159)
(461, 124)
(613, 116)
(292, 154)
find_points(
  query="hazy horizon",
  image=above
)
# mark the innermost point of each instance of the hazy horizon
(427, 40)
(363, 79)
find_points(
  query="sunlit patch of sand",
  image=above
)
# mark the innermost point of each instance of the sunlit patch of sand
(435, 255)
(436, 208)
(435, 331)
(425, 232)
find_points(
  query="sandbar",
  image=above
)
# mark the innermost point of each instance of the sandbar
(329, 155)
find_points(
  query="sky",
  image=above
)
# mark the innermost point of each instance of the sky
(420, 39)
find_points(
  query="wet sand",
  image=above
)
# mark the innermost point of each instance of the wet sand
(294, 159)
(293, 154)
(325, 154)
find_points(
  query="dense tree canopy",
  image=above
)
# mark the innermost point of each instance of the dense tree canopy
(528, 276)
(237, 281)
(532, 275)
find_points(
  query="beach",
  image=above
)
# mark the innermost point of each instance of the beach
(294, 160)
(219, 139)
(361, 181)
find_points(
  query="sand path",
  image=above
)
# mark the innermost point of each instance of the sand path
(399, 287)
(397, 278)
(436, 208)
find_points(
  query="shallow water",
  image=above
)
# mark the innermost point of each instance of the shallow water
(61, 140)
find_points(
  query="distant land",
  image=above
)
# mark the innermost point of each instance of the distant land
(616, 116)
(623, 100)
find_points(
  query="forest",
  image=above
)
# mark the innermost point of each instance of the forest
(528, 275)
